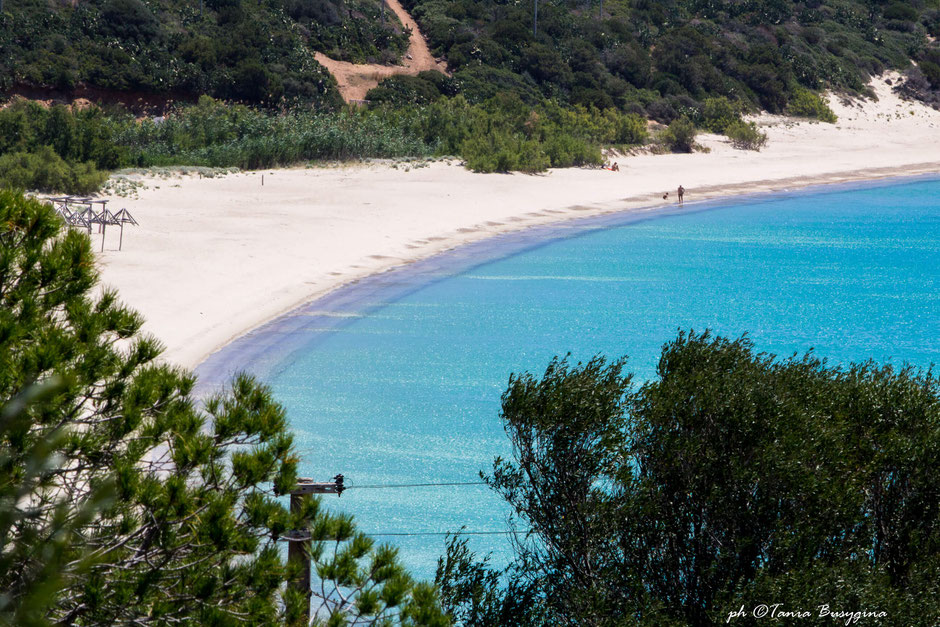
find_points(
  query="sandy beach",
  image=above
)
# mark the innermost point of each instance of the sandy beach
(215, 257)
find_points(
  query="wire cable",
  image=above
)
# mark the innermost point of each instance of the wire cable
(446, 533)
(412, 485)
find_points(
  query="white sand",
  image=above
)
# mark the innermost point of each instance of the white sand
(214, 258)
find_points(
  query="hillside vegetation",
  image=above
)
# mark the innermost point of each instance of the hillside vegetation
(660, 58)
(523, 94)
(664, 57)
(256, 52)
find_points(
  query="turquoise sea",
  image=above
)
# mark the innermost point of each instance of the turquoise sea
(397, 379)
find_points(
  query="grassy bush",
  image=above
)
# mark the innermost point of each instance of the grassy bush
(679, 136)
(502, 151)
(75, 135)
(564, 136)
(214, 134)
(45, 171)
(503, 133)
(631, 130)
(806, 104)
(718, 114)
(564, 151)
(745, 135)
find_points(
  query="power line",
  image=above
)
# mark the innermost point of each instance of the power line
(446, 533)
(413, 485)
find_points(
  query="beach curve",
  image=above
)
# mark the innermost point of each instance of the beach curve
(215, 258)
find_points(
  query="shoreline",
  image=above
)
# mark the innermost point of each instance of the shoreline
(216, 258)
(265, 348)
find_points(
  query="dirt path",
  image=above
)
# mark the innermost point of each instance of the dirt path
(355, 80)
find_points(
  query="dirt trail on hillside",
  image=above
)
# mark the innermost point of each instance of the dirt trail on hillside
(355, 80)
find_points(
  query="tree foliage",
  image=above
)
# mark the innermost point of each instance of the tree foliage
(261, 53)
(650, 53)
(46, 171)
(641, 55)
(732, 479)
(122, 499)
(49, 542)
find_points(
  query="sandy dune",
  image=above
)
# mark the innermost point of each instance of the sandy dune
(355, 80)
(216, 257)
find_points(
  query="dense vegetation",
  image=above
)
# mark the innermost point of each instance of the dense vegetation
(665, 57)
(730, 480)
(61, 149)
(524, 95)
(123, 500)
(661, 58)
(256, 52)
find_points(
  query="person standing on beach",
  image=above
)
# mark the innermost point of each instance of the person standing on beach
(681, 192)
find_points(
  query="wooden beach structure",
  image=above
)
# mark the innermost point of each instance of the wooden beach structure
(82, 212)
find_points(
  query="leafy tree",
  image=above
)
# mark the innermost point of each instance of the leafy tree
(121, 500)
(49, 544)
(731, 479)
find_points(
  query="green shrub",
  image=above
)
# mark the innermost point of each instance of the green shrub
(80, 135)
(565, 151)
(445, 84)
(503, 151)
(45, 171)
(508, 133)
(403, 91)
(806, 104)
(129, 19)
(680, 135)
(480, 83)
(215, 134)
(718, 113)
(901, 11)
(745, 135)
(631, 130)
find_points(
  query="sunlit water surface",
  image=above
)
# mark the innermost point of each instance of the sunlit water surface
(401, 385)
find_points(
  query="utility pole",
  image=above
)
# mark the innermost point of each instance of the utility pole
(299, 540)
(535, 19)
(383, 12)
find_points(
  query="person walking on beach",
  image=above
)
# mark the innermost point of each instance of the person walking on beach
(681, 192)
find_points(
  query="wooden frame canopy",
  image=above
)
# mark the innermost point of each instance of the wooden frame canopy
(79, 212)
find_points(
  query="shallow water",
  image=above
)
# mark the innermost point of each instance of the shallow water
(398, 382)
